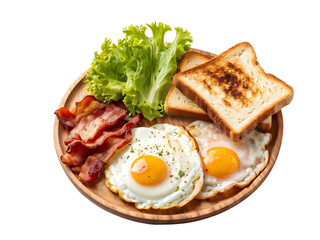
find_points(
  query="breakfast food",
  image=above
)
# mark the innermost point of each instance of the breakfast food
(192, 59)
(70, 118)
(227, 163)
(166, 166)
(176, 102)
(95, 138)
(160, 168)
(180, 105)
(234, 90)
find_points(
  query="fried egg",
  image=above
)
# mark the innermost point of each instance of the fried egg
(160, 168)
(227, 163)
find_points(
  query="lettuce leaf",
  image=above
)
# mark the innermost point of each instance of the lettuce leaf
(138, 69)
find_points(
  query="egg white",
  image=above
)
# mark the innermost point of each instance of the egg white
(251, 151)
(184, 177)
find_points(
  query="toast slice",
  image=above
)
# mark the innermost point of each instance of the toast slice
(192, 59)
(234, 90)
(178, 104)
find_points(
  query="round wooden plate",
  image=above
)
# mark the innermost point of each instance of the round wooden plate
(194, 210)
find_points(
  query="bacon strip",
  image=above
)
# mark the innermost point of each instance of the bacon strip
(91, 168)
(90, 127)
(65, 117)
(85, 107)
(83, 104)
(78, 151)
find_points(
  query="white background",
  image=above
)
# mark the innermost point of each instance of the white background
(45, 46)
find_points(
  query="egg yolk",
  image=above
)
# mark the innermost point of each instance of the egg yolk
(220, 162)
(148, 170)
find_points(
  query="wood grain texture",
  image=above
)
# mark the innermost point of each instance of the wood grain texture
(98, 193)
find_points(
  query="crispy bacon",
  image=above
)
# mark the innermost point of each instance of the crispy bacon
(65, 117)
(120, 104)
(91, 168)
(83, 104)
(78, 151)
(85, 107)
(98, 130)
(90, 127)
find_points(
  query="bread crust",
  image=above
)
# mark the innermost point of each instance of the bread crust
(187, 90)
(182, 111)
(182, 66)
(266, 124)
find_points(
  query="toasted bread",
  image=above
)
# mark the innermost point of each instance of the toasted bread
(234, 90)
(178, 104)
(192, 59)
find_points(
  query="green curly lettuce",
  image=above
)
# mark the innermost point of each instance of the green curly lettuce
(138, 69)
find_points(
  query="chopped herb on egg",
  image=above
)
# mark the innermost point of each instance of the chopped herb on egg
(160, 153)
(181, 173)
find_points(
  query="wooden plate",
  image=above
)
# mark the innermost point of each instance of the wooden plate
(194, 210)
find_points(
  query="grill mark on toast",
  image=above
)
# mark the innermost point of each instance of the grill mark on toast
(233, 81)
(184, 82)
